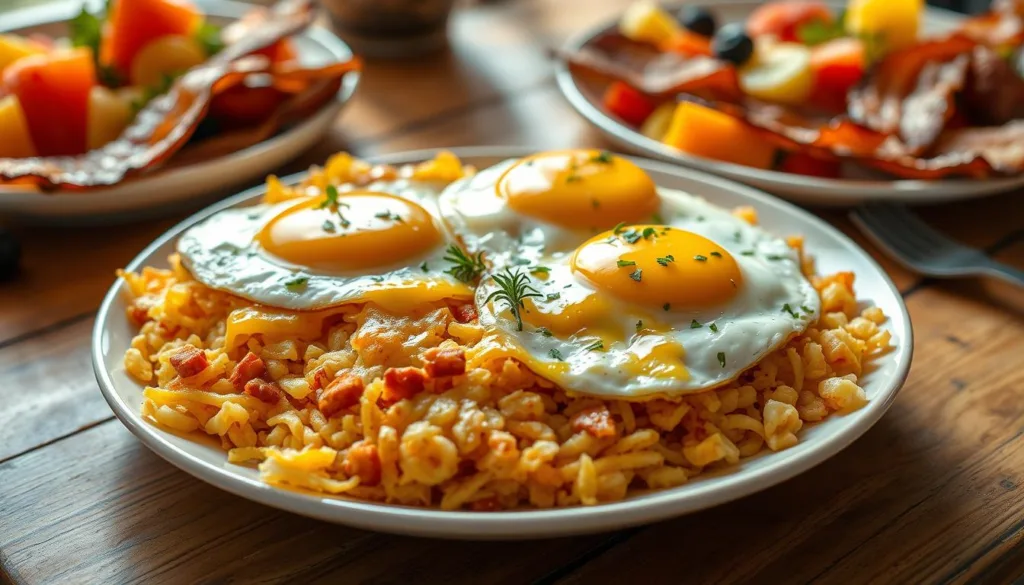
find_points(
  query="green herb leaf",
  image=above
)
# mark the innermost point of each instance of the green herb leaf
(716, 254)
(631, 236)
(296, 283)
(208, 36)
(424, 267)
(649, 232)
(86, 30)
(621, 263)
(544, 331)
(553, 296)
(664, 260)
(465, 267)
(695, 324)
(639, 326)
(328, 226)
(595, 346)
(555, 354)
(786, 308)
(513, 289)
(774, 257)
(806, 309)
(618, 228)
(747, 253)
(721, 358)
(817, 31)
(538, 270)
(330, 198)
(700, 258)
(713, 328)
(604, 157)
(636, 274)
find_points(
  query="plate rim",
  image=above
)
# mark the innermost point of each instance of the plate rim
(658, 505)
(906, 190)
(57, 13)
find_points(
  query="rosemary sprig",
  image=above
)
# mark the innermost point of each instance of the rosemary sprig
(465, 267)
(513, 289)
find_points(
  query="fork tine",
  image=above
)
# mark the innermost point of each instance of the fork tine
(912, 223)
(886, 227)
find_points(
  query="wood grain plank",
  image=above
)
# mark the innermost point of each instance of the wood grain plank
(99, 507)
(930, 493)
(48, 389)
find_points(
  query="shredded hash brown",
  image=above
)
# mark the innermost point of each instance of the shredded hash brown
(410, 409)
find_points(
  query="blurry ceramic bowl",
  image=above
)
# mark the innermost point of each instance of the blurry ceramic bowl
(391, 28)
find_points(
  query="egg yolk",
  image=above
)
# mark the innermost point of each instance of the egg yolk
(579, 189)
(659, 266)
(353, 231)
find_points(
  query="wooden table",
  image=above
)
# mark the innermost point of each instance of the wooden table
(933, 493)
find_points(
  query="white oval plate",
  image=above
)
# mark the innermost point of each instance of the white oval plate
(834, 251)
(586, 99)
(178, 187)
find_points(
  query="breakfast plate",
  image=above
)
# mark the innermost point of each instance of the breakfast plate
(195, 180)
(113, 333)
(584, 93)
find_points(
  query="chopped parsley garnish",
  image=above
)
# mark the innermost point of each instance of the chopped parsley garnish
(513, 289)
(636, 274)
(716, 254)
(544, 331)
(747, 253)
(330, 199)
(296, 283)
(736, 236)
(666, 307)
(555, 354)
(539, 270)
(553, 296)
(649, 232)
(806, 309)
(618, 228)
(595, 346)
(664, 260)
(388, 215)
(695, 324)
(465, 267)
(424, 267)
(208, 36)
(713, 328)
(700, 218)
(604, 157)
(639, 325)
(631, 236)
(377, 278)
(774, 257)
(621, 263)
(721, 358)
(789, 310)
(700, 258)
(328, 226)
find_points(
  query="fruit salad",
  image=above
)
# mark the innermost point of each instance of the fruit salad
(65, 97)
(802, 88)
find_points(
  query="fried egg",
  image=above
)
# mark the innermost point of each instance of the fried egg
(636, 311)
(382, 243)
(548, 202)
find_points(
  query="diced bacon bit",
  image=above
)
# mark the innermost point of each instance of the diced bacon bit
(138, 311)
(167, 331)
(490, 504)
(402, 383)
(363, 461)
(320, 378)
(250, 367)
(595, 420)
(189, 361)
(464, 313)
(263, 391)
(450, 361)
(341, 393)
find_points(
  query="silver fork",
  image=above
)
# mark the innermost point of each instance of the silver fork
(913, 243)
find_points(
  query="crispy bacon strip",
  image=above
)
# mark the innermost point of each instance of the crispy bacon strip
(655, 73)
(167, 122)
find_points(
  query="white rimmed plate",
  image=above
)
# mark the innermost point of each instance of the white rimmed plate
(834, 251)
(178, 186)
(585, 97)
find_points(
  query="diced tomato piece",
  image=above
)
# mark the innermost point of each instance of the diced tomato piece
(702, 131)
(132, 24)
(837, 66)
(688, 43)
(54, 89)
(628, 103)
(784, 19)
(800, 163)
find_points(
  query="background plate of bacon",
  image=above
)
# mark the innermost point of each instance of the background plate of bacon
(822, 103)
(142, 106)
